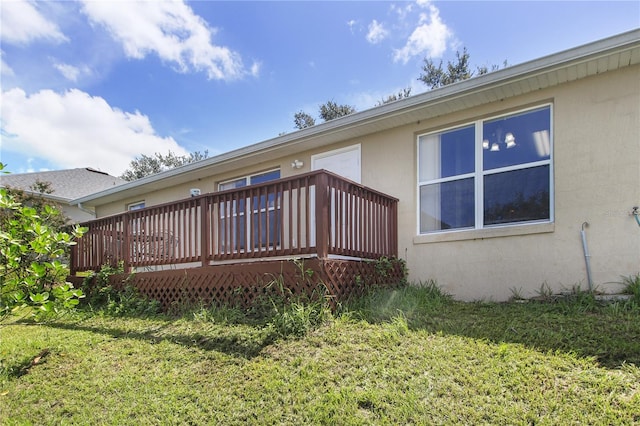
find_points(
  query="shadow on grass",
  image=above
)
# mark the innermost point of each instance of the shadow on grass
(580, 326)
(609, 334)
(237, 340)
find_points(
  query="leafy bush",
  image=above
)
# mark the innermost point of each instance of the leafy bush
(129, 302)
(124, 301)
(33, 252)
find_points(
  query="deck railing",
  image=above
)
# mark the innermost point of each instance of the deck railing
(317, 213)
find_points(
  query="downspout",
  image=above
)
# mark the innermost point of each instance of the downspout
(635, 211)
(587, 256)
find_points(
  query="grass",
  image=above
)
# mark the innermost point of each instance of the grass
(402, 356)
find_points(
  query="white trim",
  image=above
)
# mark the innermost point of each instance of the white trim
(479, 183)
(247, 178)
(495, 231)
(137, 205)
(480, 173)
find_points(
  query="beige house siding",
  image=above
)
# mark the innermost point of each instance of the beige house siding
(596, 164)
(597, 180)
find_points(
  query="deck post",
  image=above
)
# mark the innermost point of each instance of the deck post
(393, 229)
(126, 242)
(322, 215)
(72, 258)
(205, 237)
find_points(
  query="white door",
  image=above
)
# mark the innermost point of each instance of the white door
(344, 162)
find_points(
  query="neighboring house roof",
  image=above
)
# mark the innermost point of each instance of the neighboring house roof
(67, 185)
(601, 56)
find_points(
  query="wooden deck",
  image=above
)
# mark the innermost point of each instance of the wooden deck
(210, 246)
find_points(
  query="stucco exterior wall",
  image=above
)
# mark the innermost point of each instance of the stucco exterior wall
(596, 125)
(596, 164)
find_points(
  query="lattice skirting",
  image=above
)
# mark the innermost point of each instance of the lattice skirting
(242, 283)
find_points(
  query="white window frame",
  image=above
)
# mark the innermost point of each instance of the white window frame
(479, 174)
(138, 205)
(247, 178)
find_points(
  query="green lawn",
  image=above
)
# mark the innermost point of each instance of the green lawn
(405, 356)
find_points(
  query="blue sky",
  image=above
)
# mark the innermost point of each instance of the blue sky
(97, 83)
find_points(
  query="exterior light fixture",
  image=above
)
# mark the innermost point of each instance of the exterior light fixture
(297, 164)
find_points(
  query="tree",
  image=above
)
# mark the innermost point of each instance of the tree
(302, 120)
(404, 93)
(32, 258)
(331, 110)
(437, 76)
(328, 111)
(147, 165)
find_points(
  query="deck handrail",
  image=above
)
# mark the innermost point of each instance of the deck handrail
(316, 213)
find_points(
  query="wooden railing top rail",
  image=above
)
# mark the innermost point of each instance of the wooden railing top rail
(317, 212)
(256, 186)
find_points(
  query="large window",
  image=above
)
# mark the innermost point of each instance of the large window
(488, 173)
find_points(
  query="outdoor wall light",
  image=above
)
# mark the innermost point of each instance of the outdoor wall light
(297, 164)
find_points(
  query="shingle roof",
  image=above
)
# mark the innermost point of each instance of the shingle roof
(66, 184)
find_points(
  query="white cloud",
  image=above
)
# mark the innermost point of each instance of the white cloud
(71, 72)
(169, 29)
(4, 68)
(376, 33)
(21, 22)
(74, 129)
(351, 23)
(402, 11)
(255, 69)
(429, 38)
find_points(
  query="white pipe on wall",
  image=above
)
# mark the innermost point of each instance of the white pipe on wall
(587, 256)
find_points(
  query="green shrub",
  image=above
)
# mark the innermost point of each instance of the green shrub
(33, 256)
(129, 302)
(126, 301)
